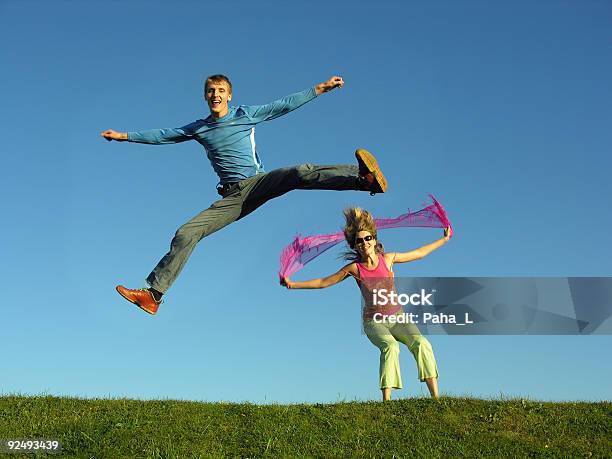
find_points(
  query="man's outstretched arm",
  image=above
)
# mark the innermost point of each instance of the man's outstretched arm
(289, 103)
(153, 136)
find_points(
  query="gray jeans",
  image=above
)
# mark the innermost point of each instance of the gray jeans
(241, 201)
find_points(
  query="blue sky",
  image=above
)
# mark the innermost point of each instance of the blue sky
(502, 110)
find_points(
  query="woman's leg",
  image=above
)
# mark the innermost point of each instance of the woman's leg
(432, 385)
(390, 376)
(422, 352)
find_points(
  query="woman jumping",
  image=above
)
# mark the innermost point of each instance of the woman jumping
(372, 268)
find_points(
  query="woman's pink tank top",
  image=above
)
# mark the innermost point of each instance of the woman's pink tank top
(380, 278)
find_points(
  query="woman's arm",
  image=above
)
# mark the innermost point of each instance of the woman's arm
(323, 282)
(417, 254)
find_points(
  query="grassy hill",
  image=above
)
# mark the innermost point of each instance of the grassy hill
(112, 428)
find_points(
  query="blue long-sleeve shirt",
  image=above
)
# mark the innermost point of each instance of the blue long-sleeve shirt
(230, 140)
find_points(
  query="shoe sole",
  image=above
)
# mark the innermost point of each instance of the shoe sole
(367, 159)
(134, 302)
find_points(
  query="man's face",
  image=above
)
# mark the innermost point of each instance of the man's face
(217, 96)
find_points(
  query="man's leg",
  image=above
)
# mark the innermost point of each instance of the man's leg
(261, 188)
(365, 176)
(218, 215)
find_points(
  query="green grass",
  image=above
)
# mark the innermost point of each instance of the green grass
(113, 428)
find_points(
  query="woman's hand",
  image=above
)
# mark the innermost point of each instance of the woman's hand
(285, 282)
(448, 232)
(317, 283)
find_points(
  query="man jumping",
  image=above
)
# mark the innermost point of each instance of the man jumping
(228, 136)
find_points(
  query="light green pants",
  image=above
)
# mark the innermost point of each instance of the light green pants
(387, 337)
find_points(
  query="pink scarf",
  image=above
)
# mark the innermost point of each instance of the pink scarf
(303, 250)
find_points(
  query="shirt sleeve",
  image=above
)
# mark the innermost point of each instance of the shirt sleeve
(163, 136)
(279, 107)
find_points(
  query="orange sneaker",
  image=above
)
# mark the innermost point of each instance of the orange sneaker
(141, 297)
(372, 178)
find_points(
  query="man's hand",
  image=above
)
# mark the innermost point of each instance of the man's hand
(109, 135)
(332, 83)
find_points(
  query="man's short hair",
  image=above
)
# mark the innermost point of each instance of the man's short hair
(218, 79)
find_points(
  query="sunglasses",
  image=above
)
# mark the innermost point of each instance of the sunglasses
(361, 240)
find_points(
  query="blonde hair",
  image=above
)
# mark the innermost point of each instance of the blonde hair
(358, 219)
(217, 79)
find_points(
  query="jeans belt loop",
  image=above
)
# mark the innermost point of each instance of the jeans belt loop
(226, 188)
